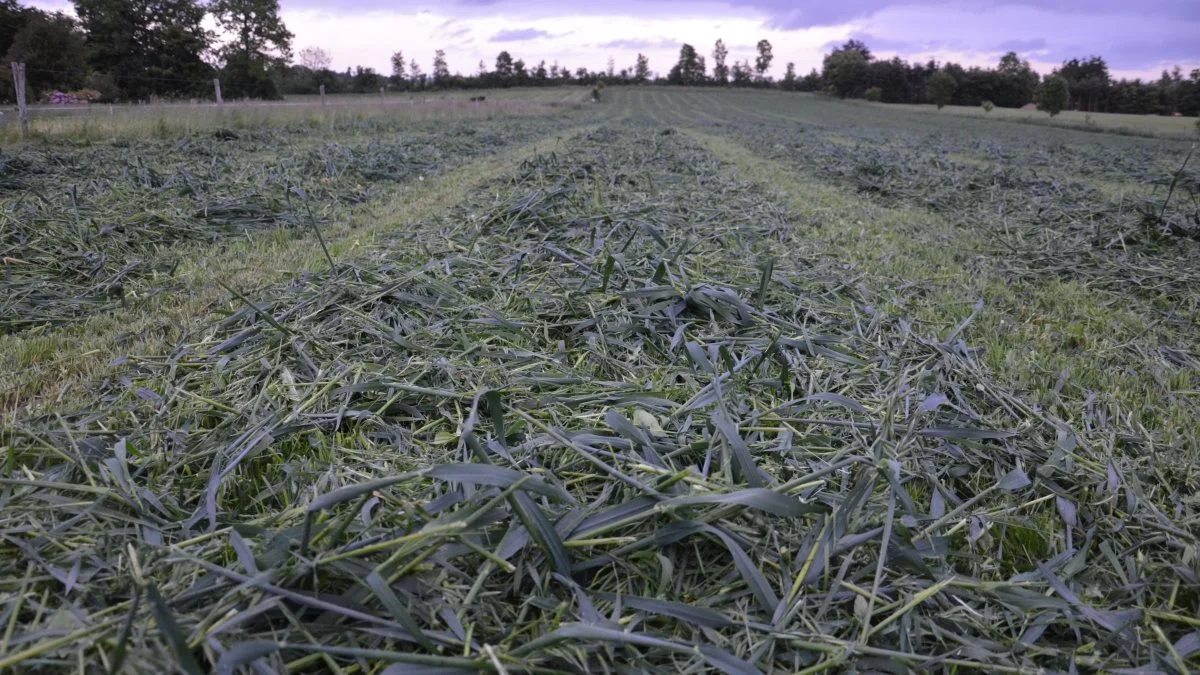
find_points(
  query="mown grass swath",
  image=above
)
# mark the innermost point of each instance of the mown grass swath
(578, 422)
(77, 225)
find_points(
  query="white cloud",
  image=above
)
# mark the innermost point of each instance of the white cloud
(942, 32)
(369, 39)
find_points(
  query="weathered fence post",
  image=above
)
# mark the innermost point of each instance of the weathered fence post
(18, 70)
(217, 88)
(322, 94)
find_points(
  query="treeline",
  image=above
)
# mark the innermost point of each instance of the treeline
(851, 71)
(312, 72)
(137, 50)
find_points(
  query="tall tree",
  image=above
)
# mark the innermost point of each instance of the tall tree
(441, 71)
(1088, 82)
(641, 69)
(741, 73)
(845, 71)
(689, 69)
(315, 58)
(148, 47)
(762, 63)
(941, 88)
(1052, 98)
(789, 78)
(54, 48)
(1016, 84)
(720, 70)
(260, 42)
(399, 66)
(858, 46)
(116, 41)
(12, 19)
(177, 44)
(504, 65)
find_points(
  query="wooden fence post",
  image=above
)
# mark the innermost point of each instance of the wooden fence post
(322, 94)
(18, 70)
(217, 88)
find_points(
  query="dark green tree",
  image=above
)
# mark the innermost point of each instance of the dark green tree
(13, 18)
(1088, 83)
(260, 44)
(399, 68)
(641, 69)
(789, 78)
(53, 50)
(1053, 95)
(741, 73)
(441, 71)
(720, 69)
(148, 47)
(176, 45)
(504, 65)
(1017, 82)
(366, 80)
(845, 71)
(689, 70)
(858, 46)
(940, 89)
(762, 63)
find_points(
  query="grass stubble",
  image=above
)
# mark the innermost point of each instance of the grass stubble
(628, 406)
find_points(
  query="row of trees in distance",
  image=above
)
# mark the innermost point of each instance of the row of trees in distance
(136, 50)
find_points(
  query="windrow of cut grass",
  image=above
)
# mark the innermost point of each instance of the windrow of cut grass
(84, 229)
(1084, 289)
(609, 413)
(49, 367)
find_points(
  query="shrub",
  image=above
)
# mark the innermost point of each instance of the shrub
(1053, 95)
(104, 85)
(874, 94)
(941, 88)
(988, 106)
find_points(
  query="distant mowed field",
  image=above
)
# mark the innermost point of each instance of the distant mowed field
(677, 380)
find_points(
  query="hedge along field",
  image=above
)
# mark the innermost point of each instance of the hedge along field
(664, 397)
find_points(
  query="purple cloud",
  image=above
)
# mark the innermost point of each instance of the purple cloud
(661, 43)
(518, 35)
(788, 15)
(876, 43)
(1036, 44)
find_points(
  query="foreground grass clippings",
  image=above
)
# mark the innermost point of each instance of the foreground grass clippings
(608, 413)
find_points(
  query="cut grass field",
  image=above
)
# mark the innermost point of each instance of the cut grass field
(1147, 125)
(104, 122)
(687, 380)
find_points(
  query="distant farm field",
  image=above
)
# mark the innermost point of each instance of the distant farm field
(1143, 125)
(682, 380)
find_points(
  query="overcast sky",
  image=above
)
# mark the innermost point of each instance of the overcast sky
(1138, 38)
